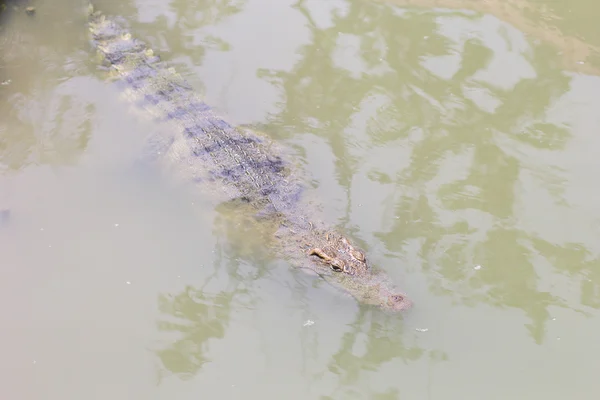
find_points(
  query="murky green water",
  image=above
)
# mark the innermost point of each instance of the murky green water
(456, 140)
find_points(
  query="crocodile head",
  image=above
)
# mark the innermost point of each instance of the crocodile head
(354, 274)
(336, 251)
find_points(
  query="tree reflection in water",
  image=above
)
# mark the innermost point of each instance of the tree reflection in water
(492, 124)
(472, 134)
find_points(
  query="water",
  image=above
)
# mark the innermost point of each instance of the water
(455, 140)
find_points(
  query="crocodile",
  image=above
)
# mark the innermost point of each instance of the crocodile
(202, 148)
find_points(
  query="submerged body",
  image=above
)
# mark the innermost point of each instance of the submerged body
(202, 148)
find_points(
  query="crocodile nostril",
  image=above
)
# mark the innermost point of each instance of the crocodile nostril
(397, 298)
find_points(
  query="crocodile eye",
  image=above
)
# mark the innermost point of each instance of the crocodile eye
(358, 255)
(337, 265)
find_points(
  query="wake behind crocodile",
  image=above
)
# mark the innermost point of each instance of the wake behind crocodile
(198, 146)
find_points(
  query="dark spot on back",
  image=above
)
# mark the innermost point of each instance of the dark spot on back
(178, 113)
(221, 124)
(152, 99)
(195, 130)
(199, 106)
(267, 191)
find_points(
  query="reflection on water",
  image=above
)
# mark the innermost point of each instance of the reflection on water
(199, 315)
(472, 100)
(205, 319)
(448, 137)
(567, 26)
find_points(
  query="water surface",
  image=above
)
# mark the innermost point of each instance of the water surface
(456, 141)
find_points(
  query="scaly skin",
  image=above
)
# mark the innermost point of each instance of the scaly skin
(201, 147)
